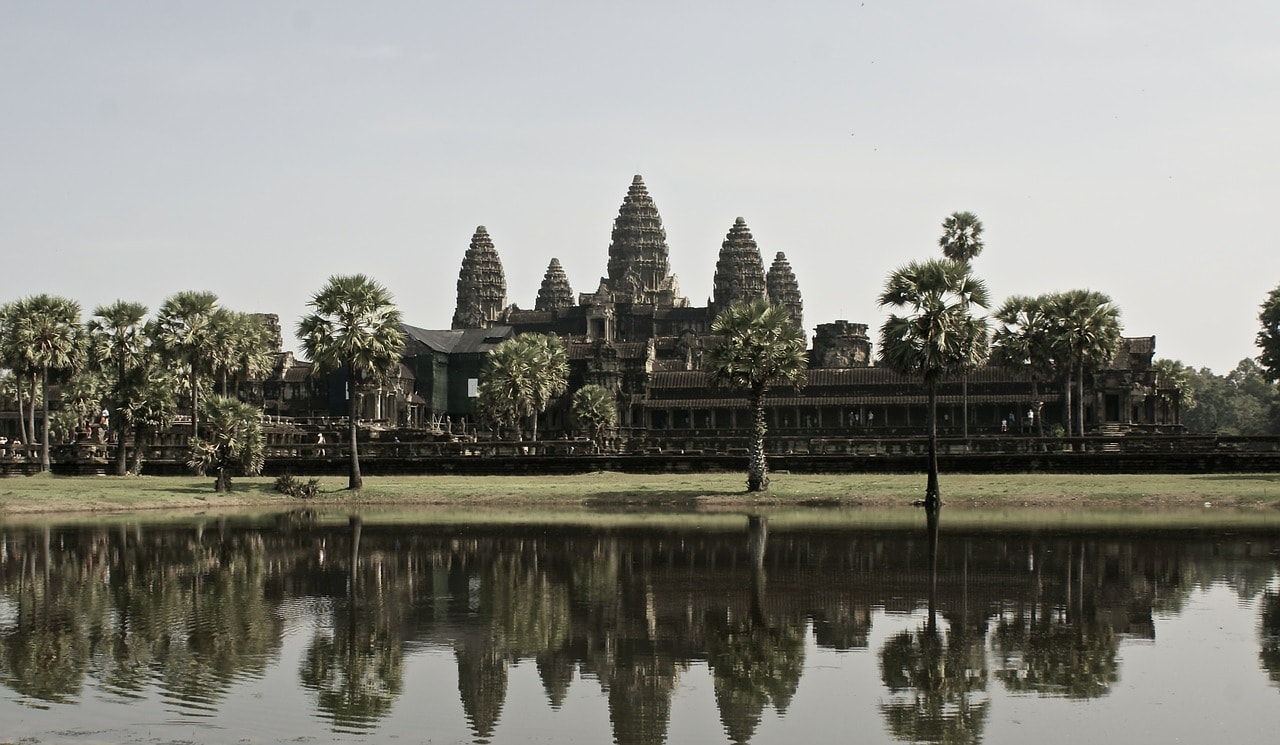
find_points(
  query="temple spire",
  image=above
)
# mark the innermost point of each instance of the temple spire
(555, 291)
(739, 270)
(482, 286)
(784, 290)
(639, 269)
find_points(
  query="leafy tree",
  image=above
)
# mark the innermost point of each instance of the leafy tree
(937, 337)
(235, 445)
(355, 329)
(1022, 341)
(520, 377)
(757, 346)
(1243, 402)
(118, 345)
(595, 409)
(1269, 336)
(961, 236)
(183, 332)
(1086, 335)
(49, 333)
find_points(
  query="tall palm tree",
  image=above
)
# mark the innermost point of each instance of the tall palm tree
(118, 344)
(50, 332)
(354, 329)
(1023, 341)
(961, 240)
(937, 337)
(183, 332)
(1086, 334)
(757, 346)
(961, 236)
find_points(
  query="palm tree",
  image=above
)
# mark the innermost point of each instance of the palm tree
(595, 408)
(235, 444)
(49, 331)
(118, 343)
(355, 330)
(13, 355)
(1023, 342)
(1086, 334)
(937, 338)
(241, 347)
(757, 346)
(505, 391)
(961, 236)
(183, 332)
(551, 362)
(520, 377)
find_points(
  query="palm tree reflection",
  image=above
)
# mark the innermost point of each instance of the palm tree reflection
(933, 677)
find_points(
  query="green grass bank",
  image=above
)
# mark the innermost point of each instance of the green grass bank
(37, 494)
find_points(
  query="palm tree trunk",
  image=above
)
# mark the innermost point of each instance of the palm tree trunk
(932, 494)
(122, 429)
(22, 409)
(44, 411)
(757, 463)
(1066, 409)
(30, 434)
(1080, 398)
(195, 402)
(354, 480)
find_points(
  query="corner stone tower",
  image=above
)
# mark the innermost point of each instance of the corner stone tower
(555, 291)
(482, 286)
(639, 267)
(841, 344)
(739, 270)
(784, 291)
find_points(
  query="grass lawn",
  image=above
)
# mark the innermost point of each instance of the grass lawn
(35, 494)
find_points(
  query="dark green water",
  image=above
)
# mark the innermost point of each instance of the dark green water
(637, 629)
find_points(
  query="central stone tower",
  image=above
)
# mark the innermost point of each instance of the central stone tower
(639, 269)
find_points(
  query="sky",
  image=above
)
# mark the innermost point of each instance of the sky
(253, 149)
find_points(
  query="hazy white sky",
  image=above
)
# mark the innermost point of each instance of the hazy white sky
(255, 148)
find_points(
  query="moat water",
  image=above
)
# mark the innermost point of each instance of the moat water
(640, 628)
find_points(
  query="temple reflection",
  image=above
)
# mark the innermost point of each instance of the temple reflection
(188, 610)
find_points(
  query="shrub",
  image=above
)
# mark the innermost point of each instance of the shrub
(287, 484)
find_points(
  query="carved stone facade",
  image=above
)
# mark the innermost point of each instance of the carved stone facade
(482, 285)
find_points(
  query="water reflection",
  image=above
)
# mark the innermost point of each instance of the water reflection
(185, 614)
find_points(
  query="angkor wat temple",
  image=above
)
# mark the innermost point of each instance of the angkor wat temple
(638, 336)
